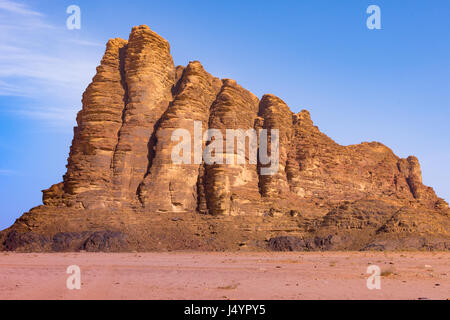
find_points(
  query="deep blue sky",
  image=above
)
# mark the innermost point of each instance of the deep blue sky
(390, 85)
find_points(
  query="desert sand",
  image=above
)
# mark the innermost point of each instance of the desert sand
(246, 275)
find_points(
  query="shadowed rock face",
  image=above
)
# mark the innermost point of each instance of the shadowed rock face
(121, 159)
(98, 241)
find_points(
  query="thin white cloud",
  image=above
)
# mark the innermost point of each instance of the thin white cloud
(17, 8)
(86, 43)
(7, 89)
(46, 68)
(54, 115)
(44, 62)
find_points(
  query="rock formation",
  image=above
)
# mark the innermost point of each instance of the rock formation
(122, 190)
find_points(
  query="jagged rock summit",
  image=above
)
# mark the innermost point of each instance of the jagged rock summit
(123, 192)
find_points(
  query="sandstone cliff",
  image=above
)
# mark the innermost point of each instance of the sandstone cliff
(123, 189)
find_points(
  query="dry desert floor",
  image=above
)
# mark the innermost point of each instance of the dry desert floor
(212, 275)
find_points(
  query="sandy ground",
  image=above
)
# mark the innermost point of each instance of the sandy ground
(332, 275)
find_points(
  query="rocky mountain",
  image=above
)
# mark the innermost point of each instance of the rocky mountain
(123, 192)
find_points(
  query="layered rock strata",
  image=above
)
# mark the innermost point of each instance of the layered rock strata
(139, 107)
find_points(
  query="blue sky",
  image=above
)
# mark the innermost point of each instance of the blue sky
(390, 85)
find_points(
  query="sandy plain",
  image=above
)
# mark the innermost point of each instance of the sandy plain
(229, 276)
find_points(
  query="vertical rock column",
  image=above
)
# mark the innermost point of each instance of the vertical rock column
(276, 115)
(89, 172)
(173, 187)
(231, 188)
(410, 168)
(302, 122)
(150, 76)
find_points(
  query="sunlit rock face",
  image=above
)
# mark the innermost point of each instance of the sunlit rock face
(122, 146)
(121, 160)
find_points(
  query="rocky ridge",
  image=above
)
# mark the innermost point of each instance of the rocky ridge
(121, 183)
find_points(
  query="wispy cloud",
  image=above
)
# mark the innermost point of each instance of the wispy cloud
(44, 62)
(54, 116)
(16, 7)
(6, 172)
(86, 43)
(8, 89)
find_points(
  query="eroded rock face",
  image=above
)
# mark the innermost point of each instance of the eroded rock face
(121, 155)
(169, 186)
(95, 139)
(320, 168)
(277, 115)
(231, 186)
(121, 158)
(149, 76)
